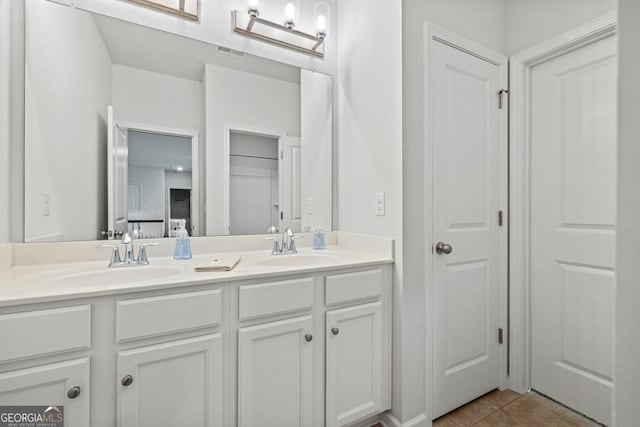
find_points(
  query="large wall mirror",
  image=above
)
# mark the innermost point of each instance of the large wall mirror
(128, 128)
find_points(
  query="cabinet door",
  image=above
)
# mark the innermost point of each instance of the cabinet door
(64, 386)
(354, 363)
(178, 383)
(275, 374)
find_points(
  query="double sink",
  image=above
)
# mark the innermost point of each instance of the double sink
(71, 276)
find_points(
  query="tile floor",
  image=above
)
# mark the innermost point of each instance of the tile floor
(507, 408)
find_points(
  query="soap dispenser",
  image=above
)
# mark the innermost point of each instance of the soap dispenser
(183, 246)
(318, 238)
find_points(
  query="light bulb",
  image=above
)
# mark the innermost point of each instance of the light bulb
(321, 23)
(289, 15)
(253, 8)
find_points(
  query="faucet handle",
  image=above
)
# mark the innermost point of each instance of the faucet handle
(276, 246)
(292, 243)
(115, 254)
(126, 239)
(142, 252)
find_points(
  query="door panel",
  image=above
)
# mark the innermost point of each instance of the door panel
(573, 187)
(117, 179)
(291, 184)
(275, 374)
(354, 363)
(467, 180)
(48, 385)
(175, 383)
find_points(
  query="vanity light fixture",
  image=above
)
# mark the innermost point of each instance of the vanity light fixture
(285, 35)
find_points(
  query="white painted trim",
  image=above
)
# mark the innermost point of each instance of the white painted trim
(520, 184)
(226, 152)
(433, 33)
(197, 202)
(389, 420)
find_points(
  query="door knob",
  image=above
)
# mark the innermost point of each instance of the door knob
(335, 331)
(308, 337)
(443, 248)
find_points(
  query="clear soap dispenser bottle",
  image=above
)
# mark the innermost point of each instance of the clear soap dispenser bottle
(183, 245)
(318, 237)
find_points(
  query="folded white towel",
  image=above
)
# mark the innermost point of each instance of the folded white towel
(219, 264)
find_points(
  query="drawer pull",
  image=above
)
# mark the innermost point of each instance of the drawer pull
(308, 337)
(335, 331)
(73, 392)
(127, 380)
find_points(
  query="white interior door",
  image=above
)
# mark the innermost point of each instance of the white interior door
(469, 177)
(573, 185)
(117, 177)
(290, 184)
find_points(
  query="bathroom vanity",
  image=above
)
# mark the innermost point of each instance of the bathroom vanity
(280, 340)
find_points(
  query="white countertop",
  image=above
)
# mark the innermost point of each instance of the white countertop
(61, 281)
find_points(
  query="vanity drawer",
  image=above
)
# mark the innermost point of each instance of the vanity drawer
(267, 299)
(36, 333)
(343, 288)
(147, 317)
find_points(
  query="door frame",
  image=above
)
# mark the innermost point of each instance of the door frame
(226, 183)
(521, 66)
(435, 34)
(196, 202)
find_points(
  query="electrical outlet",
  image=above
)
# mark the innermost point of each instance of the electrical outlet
(46, 204)
(379, 204)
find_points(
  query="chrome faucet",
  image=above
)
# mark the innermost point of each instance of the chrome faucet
(287, 243)
(129, 258)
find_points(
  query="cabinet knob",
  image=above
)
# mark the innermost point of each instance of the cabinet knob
(308, 337)
(335, 331)
(73, 392)
(127, 380)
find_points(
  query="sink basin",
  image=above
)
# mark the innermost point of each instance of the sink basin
(116, 276)
(297, 260)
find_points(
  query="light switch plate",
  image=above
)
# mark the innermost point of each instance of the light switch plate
(379, 204)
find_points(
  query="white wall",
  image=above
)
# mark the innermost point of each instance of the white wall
(65, 123)
(156, 150)
(5, 106)
(530, 22)
(152, 192)
(238, 98)
(215, 26)
(141, 96)
(316, 93)
(369, 87)
(627, 353)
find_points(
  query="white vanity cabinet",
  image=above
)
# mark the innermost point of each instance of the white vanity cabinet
(355, 355)
(308, 349)
(64, 384)
(30, 341)
(172, 384)
(275, 373)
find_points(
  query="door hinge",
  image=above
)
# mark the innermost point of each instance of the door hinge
(281, 215)
(500, 338)
(501, 94)
(282, 154)
(500, 218)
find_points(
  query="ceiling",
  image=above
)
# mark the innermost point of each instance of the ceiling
(153, 50)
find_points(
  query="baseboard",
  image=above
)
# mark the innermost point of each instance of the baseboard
(389, 420)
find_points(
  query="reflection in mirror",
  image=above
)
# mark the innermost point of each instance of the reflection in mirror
(128, 128)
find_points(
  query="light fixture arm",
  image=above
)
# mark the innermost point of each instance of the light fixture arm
(262, 29)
